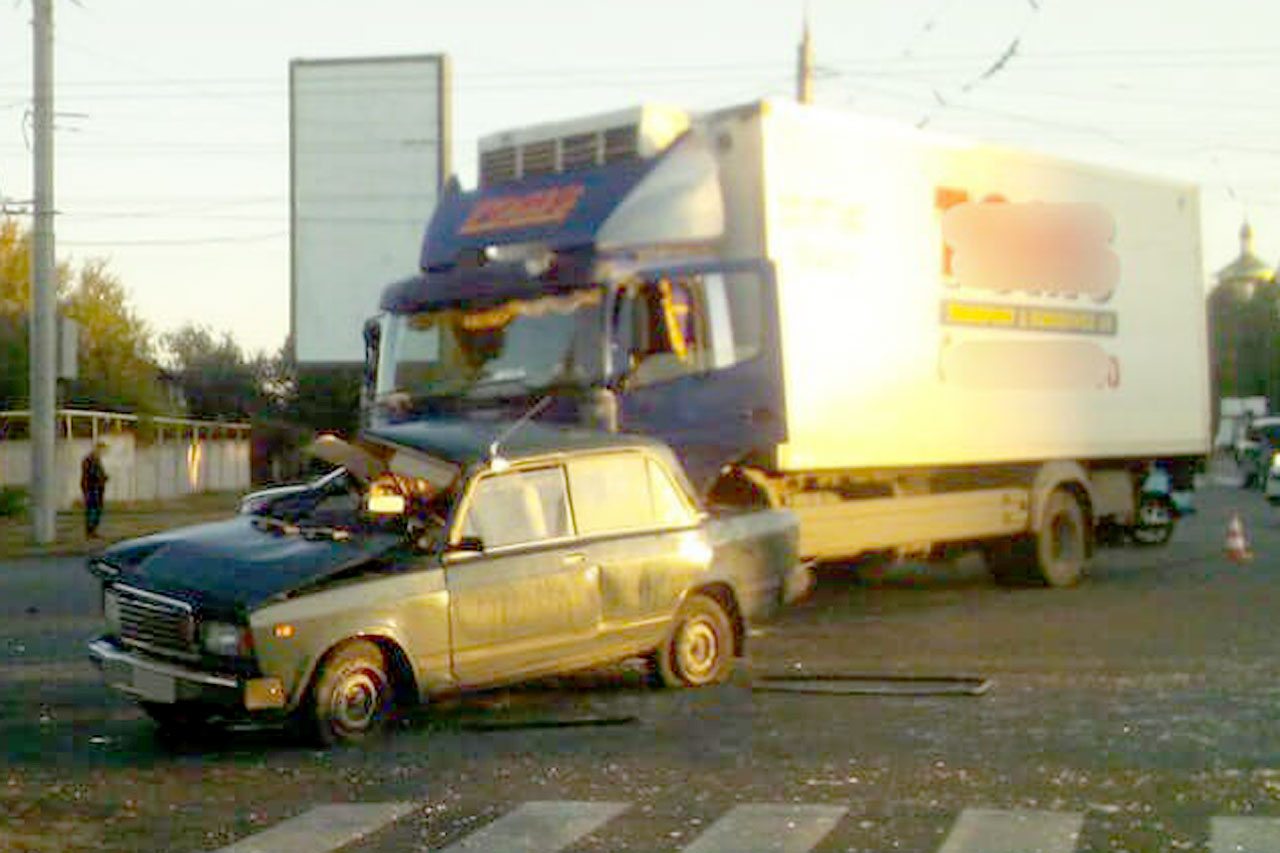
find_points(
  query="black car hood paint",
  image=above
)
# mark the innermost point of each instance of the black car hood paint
(239, 563)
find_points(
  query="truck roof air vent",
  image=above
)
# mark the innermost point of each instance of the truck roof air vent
(555, 147)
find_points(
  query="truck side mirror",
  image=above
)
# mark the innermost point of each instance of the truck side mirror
(372, 345)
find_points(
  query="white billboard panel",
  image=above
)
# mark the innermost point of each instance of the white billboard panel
(369, 153)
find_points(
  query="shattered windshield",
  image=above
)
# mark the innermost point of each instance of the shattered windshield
(509, 348)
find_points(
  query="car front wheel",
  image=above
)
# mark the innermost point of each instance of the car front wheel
(351, 700)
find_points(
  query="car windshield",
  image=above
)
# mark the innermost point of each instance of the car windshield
(509, 348)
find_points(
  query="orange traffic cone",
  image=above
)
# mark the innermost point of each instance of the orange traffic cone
(1237, 544)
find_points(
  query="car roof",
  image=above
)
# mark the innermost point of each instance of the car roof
(464, 442)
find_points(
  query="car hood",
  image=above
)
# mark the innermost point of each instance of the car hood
(240, 563)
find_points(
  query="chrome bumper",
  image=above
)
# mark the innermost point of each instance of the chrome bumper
(798, 582)
(149, 680)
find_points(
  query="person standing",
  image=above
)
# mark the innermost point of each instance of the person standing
(93, 485)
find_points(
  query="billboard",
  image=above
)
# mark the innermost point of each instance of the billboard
(369, 153)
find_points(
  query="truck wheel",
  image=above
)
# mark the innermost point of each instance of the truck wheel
(1060, 545)
(351, 699)
(700, 649)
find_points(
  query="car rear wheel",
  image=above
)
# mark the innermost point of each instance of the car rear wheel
(351, 699)
(700, 648)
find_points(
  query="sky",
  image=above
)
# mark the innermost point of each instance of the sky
(172, 139)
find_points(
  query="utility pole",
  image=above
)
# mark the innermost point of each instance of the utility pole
(44, 286)
(804, 66)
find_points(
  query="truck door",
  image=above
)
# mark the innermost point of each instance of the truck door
(695, 348)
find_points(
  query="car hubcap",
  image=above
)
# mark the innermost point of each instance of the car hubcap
(1064, 539)
(357, 702)
(699, 649)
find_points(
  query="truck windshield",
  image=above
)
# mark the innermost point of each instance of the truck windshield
(494, 350)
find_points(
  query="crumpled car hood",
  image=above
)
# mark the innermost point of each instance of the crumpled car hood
(241, 562)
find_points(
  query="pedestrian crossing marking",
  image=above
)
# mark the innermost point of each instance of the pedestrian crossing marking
(1020, 831)
(1244, 835)
(768, 828)
(553, 825)
(323, 828)
(540, 827)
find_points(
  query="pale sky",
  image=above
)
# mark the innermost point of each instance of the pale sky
(172, 151)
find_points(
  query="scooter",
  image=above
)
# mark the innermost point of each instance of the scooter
(1159, 509)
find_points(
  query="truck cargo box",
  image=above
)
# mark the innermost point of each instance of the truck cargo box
(944, 303)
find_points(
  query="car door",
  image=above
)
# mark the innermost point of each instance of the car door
(644, 534)
(523, 597)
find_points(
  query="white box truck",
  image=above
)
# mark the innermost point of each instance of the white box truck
(917, 344)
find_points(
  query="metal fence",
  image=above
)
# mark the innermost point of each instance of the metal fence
(146, 458)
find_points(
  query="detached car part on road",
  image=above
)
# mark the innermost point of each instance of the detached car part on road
(468, 556)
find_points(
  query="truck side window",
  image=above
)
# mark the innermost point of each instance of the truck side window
(517, 508)
(681, 325)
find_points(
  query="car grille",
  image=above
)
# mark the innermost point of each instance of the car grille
(156, 623)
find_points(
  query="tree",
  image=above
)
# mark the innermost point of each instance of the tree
(217, 381)
(115, 367)
(116, 364)
(314, 399)
(15, 296)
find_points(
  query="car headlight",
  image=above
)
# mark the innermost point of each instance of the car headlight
(225, 639)
(111, 611)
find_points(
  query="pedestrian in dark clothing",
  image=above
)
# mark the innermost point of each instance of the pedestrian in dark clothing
(93, 485)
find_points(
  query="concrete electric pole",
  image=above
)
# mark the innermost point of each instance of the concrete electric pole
(804, 67)
(44, 287)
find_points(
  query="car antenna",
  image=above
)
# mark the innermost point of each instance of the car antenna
(495, 459)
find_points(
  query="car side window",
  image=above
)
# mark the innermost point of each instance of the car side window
(670, 509)
(518, 507)
(623, 491)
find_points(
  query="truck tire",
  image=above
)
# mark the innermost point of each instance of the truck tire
(1053, 555)
(351, 697)
(700, 649)
(1061, 542)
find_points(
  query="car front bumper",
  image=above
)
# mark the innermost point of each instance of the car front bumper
(798, 582)
(147, 679)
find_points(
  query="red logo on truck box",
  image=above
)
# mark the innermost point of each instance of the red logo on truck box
(550, 206)
(1053, 249)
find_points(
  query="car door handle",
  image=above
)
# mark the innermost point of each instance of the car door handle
(575, 559)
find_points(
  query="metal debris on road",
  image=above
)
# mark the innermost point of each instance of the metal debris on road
(873, 685)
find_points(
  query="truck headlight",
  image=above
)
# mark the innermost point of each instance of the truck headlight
(225, 639)
(111, 611)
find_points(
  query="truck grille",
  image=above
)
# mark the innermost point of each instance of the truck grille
(156, 623)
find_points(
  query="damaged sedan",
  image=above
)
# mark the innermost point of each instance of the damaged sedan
(461, 556)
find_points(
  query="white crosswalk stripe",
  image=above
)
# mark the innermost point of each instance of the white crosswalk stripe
(1244, 835)
(323, 829)
(540, 827)
(768, 828)
(1021, 831)
(554, 825)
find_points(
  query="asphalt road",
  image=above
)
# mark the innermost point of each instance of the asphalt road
(1136, 712)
